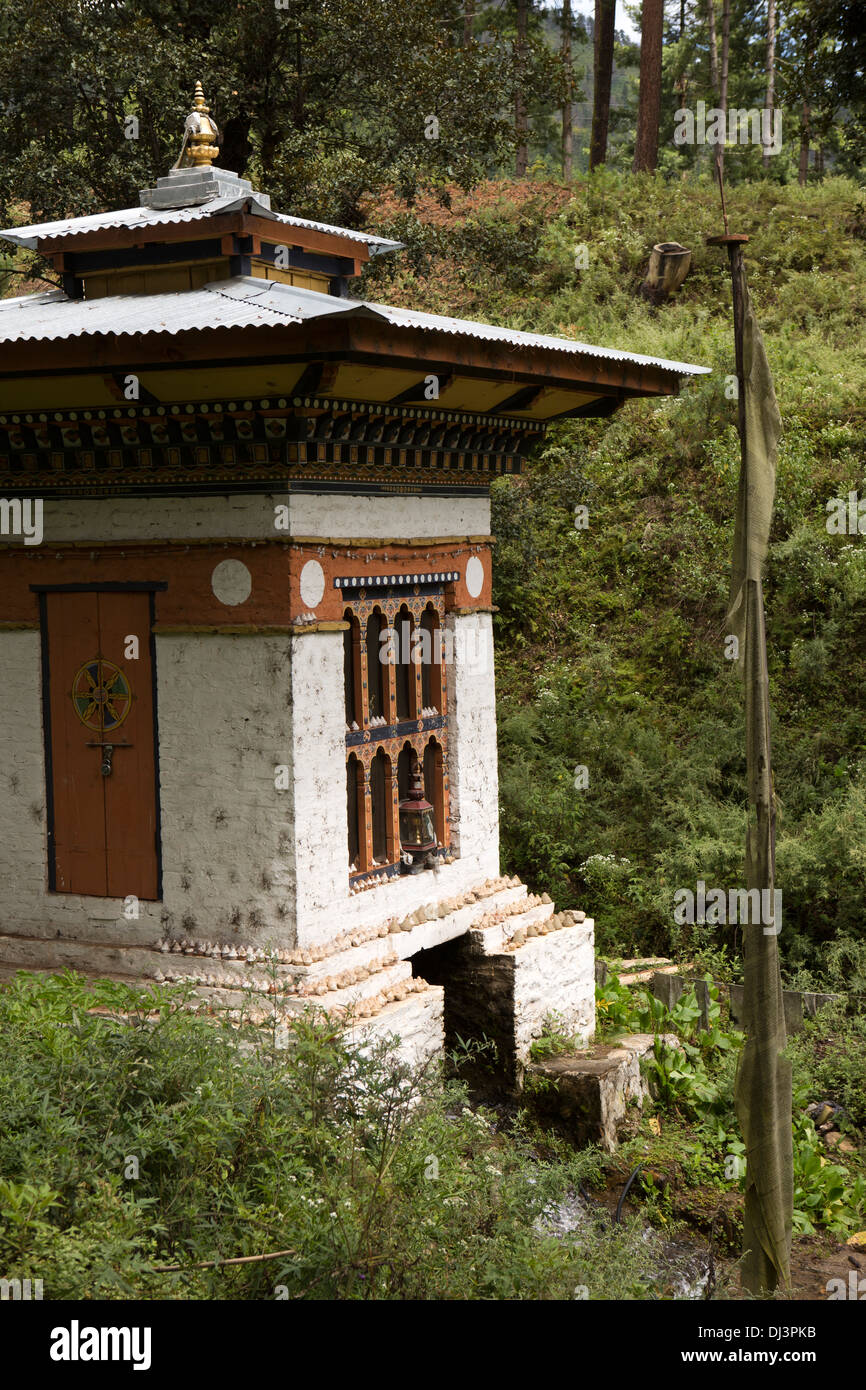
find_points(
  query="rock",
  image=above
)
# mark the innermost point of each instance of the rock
(820, 1112)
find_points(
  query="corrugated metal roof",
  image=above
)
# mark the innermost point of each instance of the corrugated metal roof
(412, 318)
(146, 217)
(244, 302)
(239, 303)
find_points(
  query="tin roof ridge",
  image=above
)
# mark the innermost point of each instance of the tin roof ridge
(176, 311)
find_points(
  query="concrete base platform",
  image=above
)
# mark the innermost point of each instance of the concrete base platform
(489, 964)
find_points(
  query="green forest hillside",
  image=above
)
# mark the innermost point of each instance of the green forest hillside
(611, 652)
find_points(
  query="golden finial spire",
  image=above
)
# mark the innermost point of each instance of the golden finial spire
(200, 135)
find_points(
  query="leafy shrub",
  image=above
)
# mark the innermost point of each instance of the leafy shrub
(137, 1135)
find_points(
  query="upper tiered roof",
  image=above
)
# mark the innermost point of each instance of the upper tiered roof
(206, 296)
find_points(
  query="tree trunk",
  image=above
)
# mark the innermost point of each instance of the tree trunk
(605, 11)
(567, 130)
(646, 147)
(521, 122)
(723, 83)
(771, 76)
(714, 48)
(819, 162)
(468, 20)
(804, 143)
(237, 147)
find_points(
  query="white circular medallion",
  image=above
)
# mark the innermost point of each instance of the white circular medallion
(232, 582)
(312, 584)
(474, 576)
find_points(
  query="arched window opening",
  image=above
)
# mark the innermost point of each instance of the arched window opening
(380, 790)
(404, 770)
(432, 675)
(434, 785)
(383, 833)
(404, 671)
(354, 791)
(352, 670)
(377, 685)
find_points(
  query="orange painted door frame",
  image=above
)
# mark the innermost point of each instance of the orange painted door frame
(101, 751)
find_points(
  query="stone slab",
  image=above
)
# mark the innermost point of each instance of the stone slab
(588, 1094)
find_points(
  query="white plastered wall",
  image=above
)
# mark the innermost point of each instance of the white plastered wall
(253, 515)
(472, 737)
(403, 516)
(327, 908)
(225, 726)
(242, 860)
(225, 729)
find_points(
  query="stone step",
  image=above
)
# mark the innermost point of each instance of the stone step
(87, 957)
(370, 995)
(233, 988)
(380, 979)
(498, 935)
(138, 960)
(123, 962)
(418, 1022)
(229, 978)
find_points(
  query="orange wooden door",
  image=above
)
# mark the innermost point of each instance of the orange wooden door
(102, 754)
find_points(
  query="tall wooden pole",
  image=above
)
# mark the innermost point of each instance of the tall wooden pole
(763, 1090)
(770, 99)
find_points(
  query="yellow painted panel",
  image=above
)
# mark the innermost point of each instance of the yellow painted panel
(58, 393)
(156, 279)
(173, 280)
(308, 280)
(214, 383)
(356, 381)
(207, 384)
(203, 274)
(554, 402)
(133, 282)
(474, 393)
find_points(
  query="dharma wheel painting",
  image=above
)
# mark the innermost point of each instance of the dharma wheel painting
(101, 695)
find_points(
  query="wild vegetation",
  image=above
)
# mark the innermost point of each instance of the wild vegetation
(611, 651)
(141, 1148)
(158, 1141)
(166, 1161)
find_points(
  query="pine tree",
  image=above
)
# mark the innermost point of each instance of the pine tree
(650, 92)
(605, 11)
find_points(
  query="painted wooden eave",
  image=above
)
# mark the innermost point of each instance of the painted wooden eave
(336, 347)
